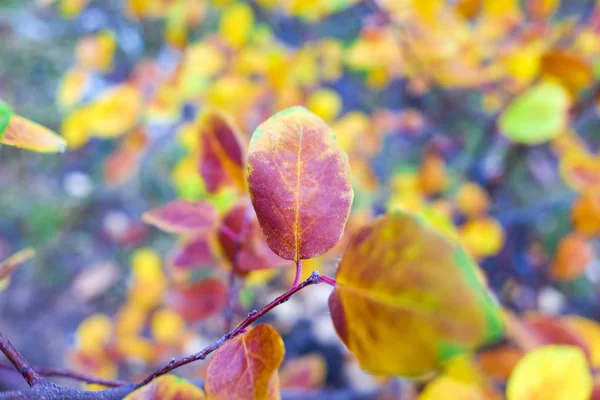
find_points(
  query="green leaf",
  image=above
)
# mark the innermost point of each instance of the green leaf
(536, 116)
(5, 114)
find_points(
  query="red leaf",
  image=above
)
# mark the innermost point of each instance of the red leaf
(199, 300)
(183, 217)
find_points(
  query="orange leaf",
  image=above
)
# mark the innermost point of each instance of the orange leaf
(585, 214)
(299, 182)
(573, 72)
(498, 363)
(167, 387)
(183, 217)
(26, 134)
(222, 153)
(199, 300)
(407, 299)
(246, 367)
(573, 254)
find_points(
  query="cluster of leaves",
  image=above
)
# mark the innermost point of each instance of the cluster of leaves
(408, 298)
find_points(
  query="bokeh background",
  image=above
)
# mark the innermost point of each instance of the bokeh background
(416, 92)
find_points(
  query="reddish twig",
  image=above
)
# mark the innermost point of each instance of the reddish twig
(298, 273)
(313, 279)
(64, 373)
(17, 360)
(328, 280)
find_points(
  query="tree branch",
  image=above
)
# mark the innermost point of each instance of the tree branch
(13, 355)
(313, 279)
(64, 373)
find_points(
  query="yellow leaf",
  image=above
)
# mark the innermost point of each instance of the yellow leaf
(236, 24)
(167, 387)
(29, 135)
(551, 373)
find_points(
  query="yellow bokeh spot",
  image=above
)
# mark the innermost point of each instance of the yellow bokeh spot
(167, 326)
(326, 103)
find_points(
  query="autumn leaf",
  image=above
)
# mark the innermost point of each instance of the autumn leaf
(8, 265)
(573, 72)
(29, 135)
(167, 387)
(304, 373)
(192, 253)
(299, 184)
(551, 373)
(222, 152)
(183, 217)
(245, 368)
(251, 252)
(573, 254)
(199, 300)
(536, 116)
(407, 299)
(589, 332)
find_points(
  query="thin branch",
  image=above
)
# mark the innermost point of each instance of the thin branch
(328, 280)
(64, 373)
(17, 360)
(313, 279)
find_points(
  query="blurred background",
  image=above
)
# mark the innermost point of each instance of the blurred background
(481, 115)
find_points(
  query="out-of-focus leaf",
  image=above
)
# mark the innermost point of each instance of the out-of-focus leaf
(432, 174)
(472, 200)
(72, 8)
(183, 217)
(236, 24)
(5, 115)
(551, 373)
(96, 52)
(422, 294)
(246, 366)
(193, 253)
(581, 171)
(115, 112)
(535, 330)
(167, 326)
(8, 265)
(499, 362)
(120, 166)
(573, 72)
(199, 300)
(585, 214)
(222, 152)
(589, 331)
(573, 254)
(26, 134)
(72, 87)
(541, 9)
(482, 236)
(299, 183)
(326, 103)
(167, 387)
(536, 116)
(251, 251)
(304, 373)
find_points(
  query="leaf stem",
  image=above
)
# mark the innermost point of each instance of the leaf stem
(298, 273)
(19, 362)
(313, 279)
